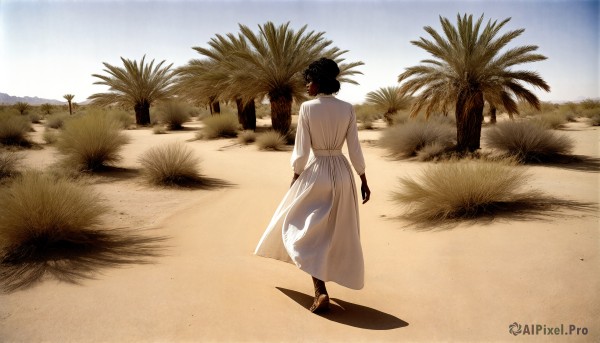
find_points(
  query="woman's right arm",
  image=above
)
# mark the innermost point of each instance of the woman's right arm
(356, 156)
(365, 192)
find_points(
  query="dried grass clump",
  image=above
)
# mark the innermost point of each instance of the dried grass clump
(173, 114)
(126, 119)
(270, 140)
(247, 137)
(589, 104)
(91, 142)
(590, 112)
(263, 111)
(57, 120)
(34, 117)
(41, 214)
(552, 120)
(14, 129)
(159, 129)
(367, 124)
(595, 120)
(9, 162)
(50, 136)
(400, 117)
(528, 142)
(432, 152)
(366, 115)
(464, 188)
(219, 126)
(171, 164)
(406, 140)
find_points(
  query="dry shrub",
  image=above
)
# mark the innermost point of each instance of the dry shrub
(400, 117)
(270, 140)
(263, 110)
(590, 104)
(590, 112)
(527, 141)
(171, 164)
(173, 114)
(194, 111)
(35, 117)
(219, 126)
(432, 152)
(14, 129)
(159, 130)
(406, 140)
(57, 120)
(123, 117)
(443, 119)
(367, 125)
(462, 189)
(41, 213)
(91, 141)
(246, 137)
(366, 114)
(290, 136)
(552, 120)
(526, 109)
(595, 120)
(568, 112)
(50, 136)
(9, 162)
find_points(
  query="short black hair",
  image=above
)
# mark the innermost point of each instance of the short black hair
(323, 72)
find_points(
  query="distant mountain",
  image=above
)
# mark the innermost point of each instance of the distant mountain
(9, 100)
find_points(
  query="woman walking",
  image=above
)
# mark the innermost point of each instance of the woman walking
(316, 226)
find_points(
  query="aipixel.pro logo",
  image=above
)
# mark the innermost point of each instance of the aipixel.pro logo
(539, 329)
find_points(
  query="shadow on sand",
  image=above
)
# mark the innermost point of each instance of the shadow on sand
(111, 174)
(203, 182)
(535, 207)
(349, 314)
(75, 260)
(572, 162)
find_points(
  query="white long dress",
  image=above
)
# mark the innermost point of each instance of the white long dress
(316, 226)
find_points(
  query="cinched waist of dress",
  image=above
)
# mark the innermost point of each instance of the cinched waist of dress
(325, 152)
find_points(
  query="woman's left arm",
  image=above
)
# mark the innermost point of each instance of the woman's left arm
(354, 149)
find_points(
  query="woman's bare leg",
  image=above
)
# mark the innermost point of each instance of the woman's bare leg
(321, 303)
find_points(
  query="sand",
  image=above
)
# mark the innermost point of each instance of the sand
(465, 283)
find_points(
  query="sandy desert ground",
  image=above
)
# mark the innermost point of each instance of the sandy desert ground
(464, 283)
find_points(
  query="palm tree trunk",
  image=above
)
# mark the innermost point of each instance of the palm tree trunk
(493, 114)
(70, 108)
(469, 117)
(142, 113)
(246, 114)
(215, 107)
(389, 118)
(281, 113)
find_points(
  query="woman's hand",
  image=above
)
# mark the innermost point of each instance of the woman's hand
(365, 192)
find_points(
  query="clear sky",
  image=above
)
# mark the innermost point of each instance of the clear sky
(51, 48)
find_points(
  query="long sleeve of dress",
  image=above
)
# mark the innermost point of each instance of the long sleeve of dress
(354, 149)
(301, 151)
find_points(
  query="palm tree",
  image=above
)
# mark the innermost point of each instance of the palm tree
(389, 100)
(209, 78)
(46, 108)
(69, 98)
(22, 107)
(222, 56)
(272, 67)
(137, 85)
(469, 66)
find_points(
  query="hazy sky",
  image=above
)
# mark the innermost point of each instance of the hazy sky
(50, 48)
